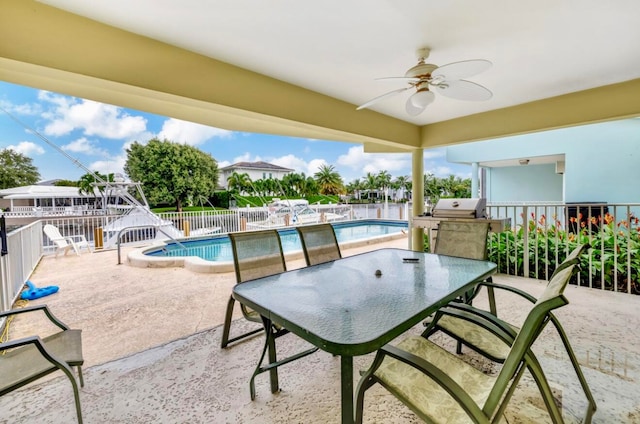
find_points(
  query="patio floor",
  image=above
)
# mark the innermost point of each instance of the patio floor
(151, 340)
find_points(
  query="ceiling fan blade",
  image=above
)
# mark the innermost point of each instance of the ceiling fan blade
(463, 90)
(413, 110)
(398, 78)
(382, 97)
(459, 70)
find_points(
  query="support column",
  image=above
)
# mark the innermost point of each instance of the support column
(475, 185)
(417, 194)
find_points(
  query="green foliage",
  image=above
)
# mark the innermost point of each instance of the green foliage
(329, 180)
(614, 245)
(88, 181)
(171, 172)
(65, 183)
(16, 169)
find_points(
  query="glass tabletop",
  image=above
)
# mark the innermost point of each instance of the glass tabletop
(354, 305)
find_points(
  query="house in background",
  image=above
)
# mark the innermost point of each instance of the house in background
(44, 198)
(255, 170)
(596, 163)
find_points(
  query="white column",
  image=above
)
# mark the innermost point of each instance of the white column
(475, 185)
(417, 194)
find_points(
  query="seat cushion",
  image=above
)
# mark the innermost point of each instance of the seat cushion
(19, 366)
(425, 397)
(475, 335)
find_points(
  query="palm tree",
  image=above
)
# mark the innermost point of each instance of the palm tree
(238, 183)
(371, 184)
(384, 181)
(402, 183)
(329, 180)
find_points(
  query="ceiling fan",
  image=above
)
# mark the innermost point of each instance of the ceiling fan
(446, 80)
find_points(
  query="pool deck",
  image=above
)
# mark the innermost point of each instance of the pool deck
(151, 345)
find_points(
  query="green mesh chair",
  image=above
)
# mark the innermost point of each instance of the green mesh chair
(462, 239)
(319, 243)
(476, 328)
(439, 386)
(257, 254)
(27, 359)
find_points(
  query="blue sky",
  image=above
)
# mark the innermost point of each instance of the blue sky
(97, 134)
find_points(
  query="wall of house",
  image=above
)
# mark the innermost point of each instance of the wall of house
(513, 184)
(602, 161)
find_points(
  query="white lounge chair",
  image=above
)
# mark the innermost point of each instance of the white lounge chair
(66, 243)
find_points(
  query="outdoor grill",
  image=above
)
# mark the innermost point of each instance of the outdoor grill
(465, 210)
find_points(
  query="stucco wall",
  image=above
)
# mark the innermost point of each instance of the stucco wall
(602, 163)
(524, 184)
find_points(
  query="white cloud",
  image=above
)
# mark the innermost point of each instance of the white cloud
(291, 162)
(189, 132)
(82, 145)
(114, 165)
(92, 118)
(314, 165)
(27, 148)
(362, 162)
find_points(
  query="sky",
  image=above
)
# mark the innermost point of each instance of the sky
(96, 135)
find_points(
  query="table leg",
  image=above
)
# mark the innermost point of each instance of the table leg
(271, 346)
(346, 380)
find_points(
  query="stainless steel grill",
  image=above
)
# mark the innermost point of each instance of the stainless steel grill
(465, 210)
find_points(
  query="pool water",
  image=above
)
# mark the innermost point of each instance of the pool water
(218, 249)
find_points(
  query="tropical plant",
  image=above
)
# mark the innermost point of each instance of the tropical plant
(329, 180)
(238, 182)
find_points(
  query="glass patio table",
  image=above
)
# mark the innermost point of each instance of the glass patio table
(355, 305)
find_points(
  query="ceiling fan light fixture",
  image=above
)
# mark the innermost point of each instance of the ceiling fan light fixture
(422, 98)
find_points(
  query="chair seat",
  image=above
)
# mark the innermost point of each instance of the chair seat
(19, 366)
(425, 397)
(476, 335)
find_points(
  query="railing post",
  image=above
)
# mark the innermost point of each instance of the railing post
(525, 242)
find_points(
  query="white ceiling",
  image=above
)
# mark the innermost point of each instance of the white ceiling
(338, 47)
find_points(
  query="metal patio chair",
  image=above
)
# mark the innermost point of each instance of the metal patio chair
(475, 328)
(440, 387)
(319, 243)
(27, 359)
(257, 254)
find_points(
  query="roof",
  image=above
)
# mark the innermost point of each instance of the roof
(41, 191)
(257, 166)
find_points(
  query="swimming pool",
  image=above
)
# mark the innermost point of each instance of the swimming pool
(213, 254)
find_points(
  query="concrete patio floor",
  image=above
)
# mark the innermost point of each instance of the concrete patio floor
(151, 341)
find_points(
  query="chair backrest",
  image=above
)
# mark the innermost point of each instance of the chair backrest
(54, 235)
(463, 239)
(257, 254)
(572, 259)
(552, 298)
(319, 243)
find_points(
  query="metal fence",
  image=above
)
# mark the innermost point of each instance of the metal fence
(542, 234)
(24, 250)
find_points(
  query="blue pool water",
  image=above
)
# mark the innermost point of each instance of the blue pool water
(218, 249)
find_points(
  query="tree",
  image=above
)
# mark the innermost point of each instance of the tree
(238, 182)
(329, 180)
(171, 172)
(16, 169)
(88, 181)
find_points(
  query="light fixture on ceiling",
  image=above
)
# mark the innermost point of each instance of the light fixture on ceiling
(523, 161)
(447, 80)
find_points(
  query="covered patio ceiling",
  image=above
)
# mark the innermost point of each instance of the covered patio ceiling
(301, 68)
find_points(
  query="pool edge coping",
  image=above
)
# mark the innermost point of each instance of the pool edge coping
(139, 259)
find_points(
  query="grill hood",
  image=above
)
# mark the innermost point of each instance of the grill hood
(460, 208)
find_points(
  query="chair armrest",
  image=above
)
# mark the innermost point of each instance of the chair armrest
(510, 289)
(481, 318)
(441, 378)
(77, 236)
(44, 308)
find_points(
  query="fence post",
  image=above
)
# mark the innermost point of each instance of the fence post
(186, 228)
(98, 241)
